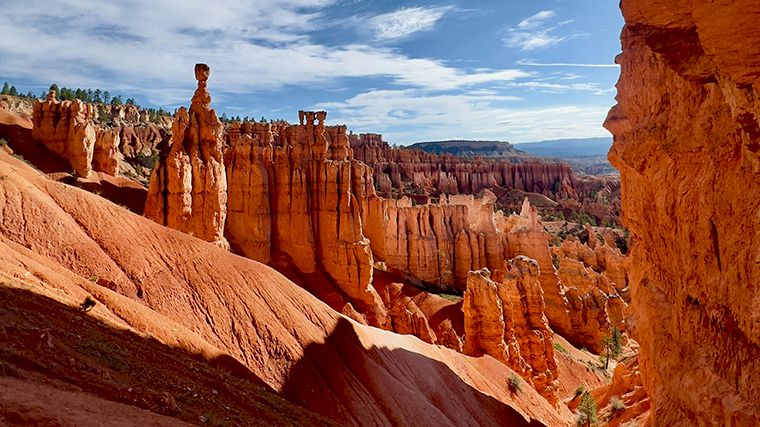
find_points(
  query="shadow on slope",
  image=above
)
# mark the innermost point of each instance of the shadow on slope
(384, 375)
(51, 346)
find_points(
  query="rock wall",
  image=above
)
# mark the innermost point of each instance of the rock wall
(437, 244)
(188, 190)
(581, 302)
(687, 144)
(67, 130)
(296, 190)
(395, 169)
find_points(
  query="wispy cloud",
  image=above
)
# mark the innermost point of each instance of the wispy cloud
(406, 116)
(565, 64)
(405, 22)
(537, 32)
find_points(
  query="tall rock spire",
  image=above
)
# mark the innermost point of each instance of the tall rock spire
(188, 189)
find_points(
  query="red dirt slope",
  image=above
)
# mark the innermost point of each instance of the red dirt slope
(196, 298)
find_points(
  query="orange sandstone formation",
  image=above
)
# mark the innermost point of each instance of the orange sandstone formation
(504, 318)
(579, 301)
(687, 143)
(437, 244)
(66, 129)
(395, 168)
(296, 190)
(188, 191)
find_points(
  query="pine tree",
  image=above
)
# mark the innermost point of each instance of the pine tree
(6, 89)
(106, 97)
(587, 410)
(55, 88)
(13, 91)
(613, 344)
(97, 96)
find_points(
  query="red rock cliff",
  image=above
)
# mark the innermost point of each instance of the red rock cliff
(295, 190)
(397, 168)
(687, 143)
(66, 129)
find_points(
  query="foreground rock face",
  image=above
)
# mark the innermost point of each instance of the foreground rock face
(687, 143)
(188, 191)
(66, 129)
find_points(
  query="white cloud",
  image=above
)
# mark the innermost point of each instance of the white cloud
(407, 116)
(565, 64)
(404, 22)
(536, 20)
(536, 32)
(149, 48)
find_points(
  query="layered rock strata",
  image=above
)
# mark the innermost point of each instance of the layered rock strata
(395, 169)
(579, 300)
(296, 190)
(437, 244)
(687, 144)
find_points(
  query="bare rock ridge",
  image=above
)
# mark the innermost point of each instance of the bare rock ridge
(687, 144)
(188, 191)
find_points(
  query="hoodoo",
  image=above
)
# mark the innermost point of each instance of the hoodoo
(188, 190)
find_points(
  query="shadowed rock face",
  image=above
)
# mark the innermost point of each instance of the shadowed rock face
(688, 149)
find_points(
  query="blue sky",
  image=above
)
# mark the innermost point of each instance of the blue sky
(462, 69)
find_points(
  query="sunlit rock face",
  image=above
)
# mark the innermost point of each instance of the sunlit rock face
(504, 318)
(396, 168)
(66, 129)
(188, 189)
(296, 190)
(687, 143)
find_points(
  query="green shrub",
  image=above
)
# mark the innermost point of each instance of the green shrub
(3, 142)
(514, 383)
(560, 348)
(450, 297)
(616, 405)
